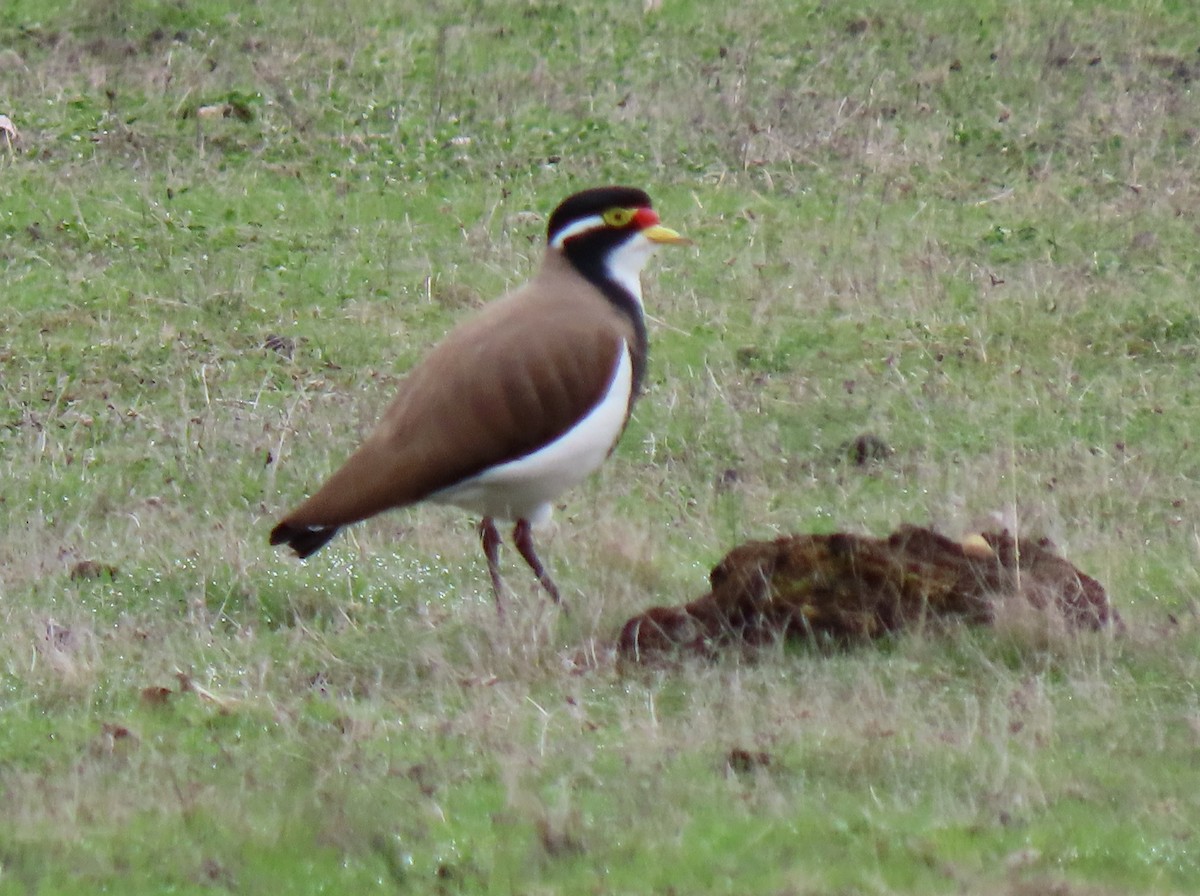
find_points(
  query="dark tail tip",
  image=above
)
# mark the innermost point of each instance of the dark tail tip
(301, 539)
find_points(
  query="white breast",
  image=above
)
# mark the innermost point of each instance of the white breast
(524, 488)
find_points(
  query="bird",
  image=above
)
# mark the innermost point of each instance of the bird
(519, 402)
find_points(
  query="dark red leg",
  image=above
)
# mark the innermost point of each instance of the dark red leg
(491, 548)
(523, 536)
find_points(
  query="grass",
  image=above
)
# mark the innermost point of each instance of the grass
(968, 231)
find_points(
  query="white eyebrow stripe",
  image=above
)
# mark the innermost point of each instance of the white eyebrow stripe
(583, 224)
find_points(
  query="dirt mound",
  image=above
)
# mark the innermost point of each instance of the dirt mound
(846, 588)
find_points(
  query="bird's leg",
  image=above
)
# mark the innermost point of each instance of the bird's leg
(523, 537)
(491, 548)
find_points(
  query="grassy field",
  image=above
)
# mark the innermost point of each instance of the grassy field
(228, 228)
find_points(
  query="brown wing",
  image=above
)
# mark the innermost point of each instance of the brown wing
(501, 385)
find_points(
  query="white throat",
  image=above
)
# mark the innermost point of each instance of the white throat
(625, 264)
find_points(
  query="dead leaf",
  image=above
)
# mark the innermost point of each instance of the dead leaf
(281, 344)
(8, 132)
(742, 760)
(230, 109)
(480, 681)
(92, 569)
(156, 695)
(188, 685)
(59, 636)
(114, 741)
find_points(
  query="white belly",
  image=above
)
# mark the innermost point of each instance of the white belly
(524, 489)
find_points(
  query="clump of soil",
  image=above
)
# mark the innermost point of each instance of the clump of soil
(847, 588)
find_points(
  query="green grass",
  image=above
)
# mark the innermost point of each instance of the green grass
(966, 228)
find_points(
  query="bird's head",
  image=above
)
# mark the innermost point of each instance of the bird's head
(609, 232)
